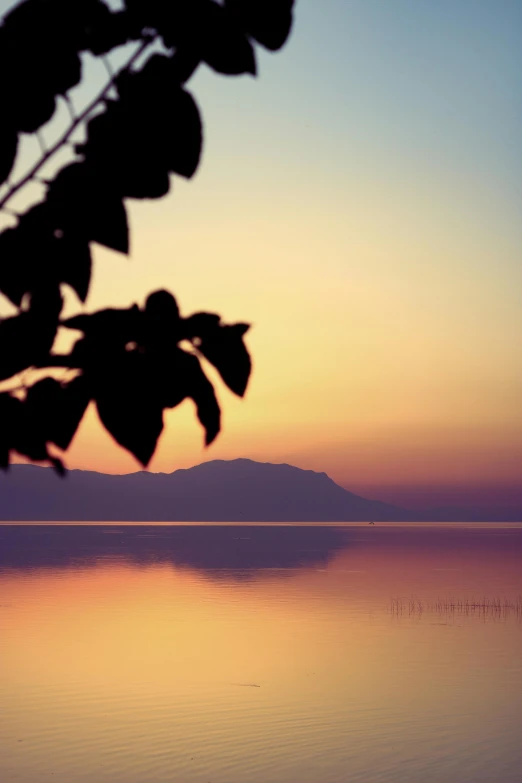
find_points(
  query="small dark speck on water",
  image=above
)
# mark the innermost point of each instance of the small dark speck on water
(246, 684)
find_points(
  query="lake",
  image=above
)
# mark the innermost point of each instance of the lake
(260, 654)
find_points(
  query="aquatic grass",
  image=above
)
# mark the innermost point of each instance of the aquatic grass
(487, 608)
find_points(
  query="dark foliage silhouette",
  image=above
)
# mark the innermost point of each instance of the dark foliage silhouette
(141, 128)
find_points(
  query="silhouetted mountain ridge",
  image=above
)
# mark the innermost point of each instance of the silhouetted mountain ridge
(238, 490)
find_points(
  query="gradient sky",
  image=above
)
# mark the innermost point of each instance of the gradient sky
(360, 203)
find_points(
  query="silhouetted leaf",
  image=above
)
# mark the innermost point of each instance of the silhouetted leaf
(16, 268)
(40, 41)
(180, 376)
(41, 250)
(153, 129)
(24, 425)
(28, 438)
(223, 346)
(161, 323)
(227, 352)
(30, 105)
(202, 392)
(8, 147)
(128, 405)
(200, 325)
(201, 28)
(86, 202)
(224, 45)
(76, 270)
(268, 21)
(10, 415)
(58, 466)
(162, 306)
(52, 250)
(122, 142)
(178, 133)
(57, 408)
(27, 338)
(187, 136)
(17, 345)
(108, 30)
(110, 329)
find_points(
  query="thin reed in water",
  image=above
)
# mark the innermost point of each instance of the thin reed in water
(486, 607)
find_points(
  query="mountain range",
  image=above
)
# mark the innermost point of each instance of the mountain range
(239, 490)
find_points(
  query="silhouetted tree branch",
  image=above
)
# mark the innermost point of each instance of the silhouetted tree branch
(129, 361)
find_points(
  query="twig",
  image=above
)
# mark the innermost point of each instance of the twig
(79, 119)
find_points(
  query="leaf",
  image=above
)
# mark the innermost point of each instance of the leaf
(24, 426)
(40, 41)
(161, 305)
(26, 339)
(16, 266)
(152, 130)
(223, 346)
(200, 324)
(10, 415)
(8, 147)
(29, 443)
(227, 352)
(224, 45)
(17, 345)
(48, 235)
(110, 329)
(180, 376)
(29, 104)
(161, 322)
(28, 437)
(200, 28)
(128, 406)
(187, 135)
(58, 408)
(36, 73)
(89, 205)
(108, 30)
(73, 402)
(123, 143)
(58, 466)
(76, 268)
(177, 130)
(202, 392)
(136, 429)
(42, 250)
(268, 21)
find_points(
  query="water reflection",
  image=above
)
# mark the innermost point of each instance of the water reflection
(252, 550)
(126, 652)
(247, 550)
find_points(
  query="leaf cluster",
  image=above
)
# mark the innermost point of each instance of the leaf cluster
(129, 362)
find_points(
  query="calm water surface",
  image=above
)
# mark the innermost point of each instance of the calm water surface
(260, 654)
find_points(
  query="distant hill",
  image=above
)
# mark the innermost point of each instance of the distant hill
(239, 490)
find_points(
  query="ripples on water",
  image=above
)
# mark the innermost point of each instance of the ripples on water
(260, 654)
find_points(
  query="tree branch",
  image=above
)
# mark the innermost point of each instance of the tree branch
(74, 124)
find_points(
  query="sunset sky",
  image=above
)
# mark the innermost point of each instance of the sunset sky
(360, 204)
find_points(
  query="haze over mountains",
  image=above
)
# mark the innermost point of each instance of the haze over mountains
(239, 490)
